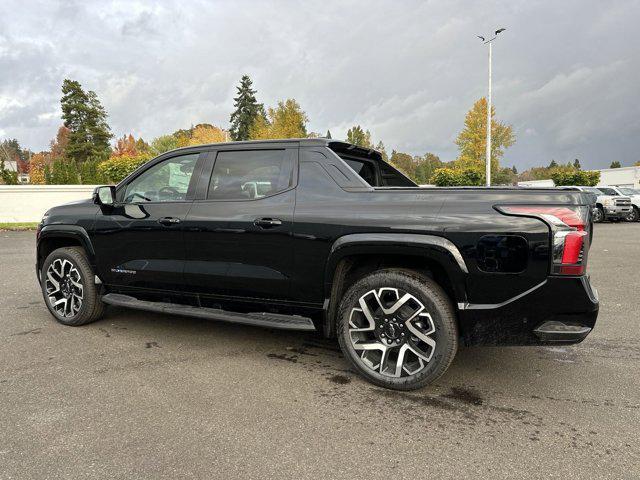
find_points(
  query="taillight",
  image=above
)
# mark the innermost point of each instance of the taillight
(569, 227)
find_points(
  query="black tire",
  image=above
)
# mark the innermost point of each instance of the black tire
(598, 215)
(91, 307)
(634, 216)
(443, 331)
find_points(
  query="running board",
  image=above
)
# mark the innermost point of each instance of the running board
(258, 319)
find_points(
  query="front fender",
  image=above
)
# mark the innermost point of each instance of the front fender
(75, 232)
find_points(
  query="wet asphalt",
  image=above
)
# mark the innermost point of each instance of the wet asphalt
(143, 395)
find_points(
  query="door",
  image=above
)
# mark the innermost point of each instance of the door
(139, 242)
(238, 232)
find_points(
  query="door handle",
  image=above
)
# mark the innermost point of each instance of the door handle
(168, 221)
(267, 222)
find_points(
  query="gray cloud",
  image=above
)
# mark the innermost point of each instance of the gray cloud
(565, 73)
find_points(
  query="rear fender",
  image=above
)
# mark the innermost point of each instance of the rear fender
(435, 249)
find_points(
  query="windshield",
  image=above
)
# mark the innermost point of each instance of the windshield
(608, 191)
(629, 191)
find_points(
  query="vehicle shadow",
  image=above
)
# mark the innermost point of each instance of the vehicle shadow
(483, 368)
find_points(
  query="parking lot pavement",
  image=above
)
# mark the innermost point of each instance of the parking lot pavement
(141, 395)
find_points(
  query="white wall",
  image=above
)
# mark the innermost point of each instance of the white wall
(27, 203)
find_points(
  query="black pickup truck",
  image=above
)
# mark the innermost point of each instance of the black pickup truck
(314, 234)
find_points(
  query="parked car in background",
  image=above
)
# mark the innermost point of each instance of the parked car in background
(634, 195)
(610, 205)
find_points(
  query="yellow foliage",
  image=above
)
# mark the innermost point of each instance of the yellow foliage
(36, 170)
(205, 134)
(287, 120)
(472, 140)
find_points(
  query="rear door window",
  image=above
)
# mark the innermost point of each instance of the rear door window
(250, 174)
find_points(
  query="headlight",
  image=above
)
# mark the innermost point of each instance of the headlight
(608, 201)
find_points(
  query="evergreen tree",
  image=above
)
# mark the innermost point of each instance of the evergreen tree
(553, 164)
(576, 164)
(615, 164)
(514, 170)
(86, 119)
(247, 109)
(328, 134)
(383, 151)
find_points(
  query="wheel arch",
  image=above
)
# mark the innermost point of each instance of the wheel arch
(52, 237)
(353, 256)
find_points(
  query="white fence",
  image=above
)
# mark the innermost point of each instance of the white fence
(27, 203)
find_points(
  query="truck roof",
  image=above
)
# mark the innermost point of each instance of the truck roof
(308, 142)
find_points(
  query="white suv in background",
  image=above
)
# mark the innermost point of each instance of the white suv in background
(634, 195)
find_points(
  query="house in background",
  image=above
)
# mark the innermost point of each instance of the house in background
(12, 167)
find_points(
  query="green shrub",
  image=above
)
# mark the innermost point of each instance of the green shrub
(571, 176)
(90, 173)
(62, 172)
(457, 177)
(116, 168)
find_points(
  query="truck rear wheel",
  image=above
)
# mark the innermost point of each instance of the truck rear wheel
(398, 329)
(68, 287)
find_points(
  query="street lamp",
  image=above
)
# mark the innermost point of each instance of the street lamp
(488, 155)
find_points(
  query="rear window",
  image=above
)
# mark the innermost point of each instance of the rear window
(377, 174)
(365, 169)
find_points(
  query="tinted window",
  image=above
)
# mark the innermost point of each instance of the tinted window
(608, 191)
(389, 176)
(167, 181)
(364, 169)
(392, 178)
(246, 175)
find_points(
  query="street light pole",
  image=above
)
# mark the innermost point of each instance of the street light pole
(488, 153)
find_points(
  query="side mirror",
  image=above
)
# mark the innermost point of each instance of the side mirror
(105, 195)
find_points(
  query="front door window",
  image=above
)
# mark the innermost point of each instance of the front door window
(168, 181)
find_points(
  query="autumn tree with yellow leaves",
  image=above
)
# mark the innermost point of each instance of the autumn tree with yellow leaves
(287, 120)
(472, 140)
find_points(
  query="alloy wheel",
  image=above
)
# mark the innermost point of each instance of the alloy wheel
(63, 285)
(598, 216)
(392, 332)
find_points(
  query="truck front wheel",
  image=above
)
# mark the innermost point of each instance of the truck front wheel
(68, 287)
(398, 329)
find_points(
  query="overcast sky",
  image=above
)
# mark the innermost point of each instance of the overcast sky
(566, 73)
